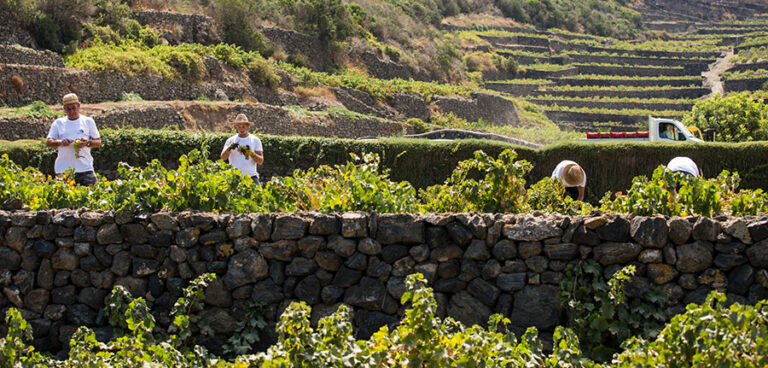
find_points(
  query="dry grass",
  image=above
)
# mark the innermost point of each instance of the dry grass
(320, 91)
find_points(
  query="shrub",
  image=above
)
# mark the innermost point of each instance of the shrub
(299, 60)
(233, 16)
(737, 117)
(330, 20)
(392, 53)
(262, 73)
(418, 125)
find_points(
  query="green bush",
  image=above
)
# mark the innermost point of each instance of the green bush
(329, 20)
(738, 117)
(418, 125)
(233, 16)
(262, 73)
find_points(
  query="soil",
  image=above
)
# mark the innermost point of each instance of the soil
(712, 78)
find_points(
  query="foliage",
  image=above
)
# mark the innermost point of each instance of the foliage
(678, 194)
(418, 125)
(262, 73)
(55, 24)
(13, 349)
(601, 313)
(713, 334)
(234, 17)
(247, 330)
(737, 117)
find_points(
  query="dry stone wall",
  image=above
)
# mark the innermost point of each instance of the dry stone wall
(15, 54)
(58, 266)
(177, 28)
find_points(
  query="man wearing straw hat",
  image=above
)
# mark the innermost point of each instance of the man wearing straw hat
(243, 150)
(573, 178)
(74, 135)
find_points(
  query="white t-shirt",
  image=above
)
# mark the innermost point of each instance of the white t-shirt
(558, 173)
(684, 165)
(63, 128)
(236, 159)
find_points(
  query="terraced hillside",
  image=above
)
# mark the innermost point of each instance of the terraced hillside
(484, 72)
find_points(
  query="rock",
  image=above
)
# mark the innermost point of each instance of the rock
(694, 257)
(437, 237)
(36, 300)
(504, 250)
(730, 248)
(616, 253)
(346, 277)
(81, 314)
(342, 246)
(328, 260)
(378, 269)
(300, 266)
(357, 261)
(527, 250)
(321, 224)
(420, 253)
(477, 251)
(369, 294)
(758, 230)
(144, 267)
(537, 264)
(369, 246)
(688, 281)
(713, 278)
(483, 291)
(92, 297)
(65, 259)
(537, 306)
(737, 228)
(649, 231)
(330, 294)
(446, 253)
(308, 290)
(396, 287)
(729, 261)
(530, 228)
(552, 278)
(238, 227)
(65, 218)
(281, 250)
(758, 254)
(697, 296)
(592, 223)
(468, 310)
(561, 252)
(164, 221)
(511, 281)
(661, 273)
(615, 230)
(309, 245)
(9, 259)
(651, 256)
(670, 256)
(391, 253)
(679, 230)
(449, 269)
(54, 312)
(354, 225)
(583, 236)
(188, 237)
(244, 268)
(491, 270)
(460, 234)
(63, 295)
(261, 226)
(400, 228)
(220, 321)
(403, 266)
(288, 227)
(267, 292)
(705, 229)
(740, 279)
(134, 233)
(15, 237)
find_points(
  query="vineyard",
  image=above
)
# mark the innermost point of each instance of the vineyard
(405, 215)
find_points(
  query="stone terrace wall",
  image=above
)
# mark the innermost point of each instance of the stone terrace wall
(180, 28)
(11, 32)
(58, 266)
(752, 84)
(21, 55)
(318, 53)
(491, 108)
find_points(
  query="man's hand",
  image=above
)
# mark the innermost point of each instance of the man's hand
(66, 142)
(232, 146)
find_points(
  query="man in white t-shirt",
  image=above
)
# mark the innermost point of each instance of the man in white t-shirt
(573, 178)
(243, 150)
(74, 135)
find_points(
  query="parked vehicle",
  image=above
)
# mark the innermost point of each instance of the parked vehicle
(659, 130)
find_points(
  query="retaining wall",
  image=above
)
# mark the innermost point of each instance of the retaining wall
(489, 107)
(11, 32)
(651, 93)
(515, 89)
(736, 85)
(14, 54)
(748, 66)
(318, 53)
(653, 53)
(575, 116)
(694, 66)
(179, 28)
(613, 105)
(633, 71)
(59, 266)
(627, 82)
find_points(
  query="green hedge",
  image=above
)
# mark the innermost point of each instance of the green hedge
(609, 166)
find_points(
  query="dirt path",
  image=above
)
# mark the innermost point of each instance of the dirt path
(712, 76)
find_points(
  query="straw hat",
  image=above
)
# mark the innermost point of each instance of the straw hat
(241, 119)
(69, 98)
(573, 175)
